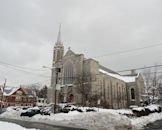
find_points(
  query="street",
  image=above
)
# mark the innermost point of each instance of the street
(40, 126)
(157, 125)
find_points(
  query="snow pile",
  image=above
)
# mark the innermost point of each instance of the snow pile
(153, 107)
(102, 119)
(91, 120)
(11, 126)
(11, 113)
(124, 111)
(139, 109)
(139, 122)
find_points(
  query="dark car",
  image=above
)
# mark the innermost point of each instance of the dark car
(30, 112)
(2, 110)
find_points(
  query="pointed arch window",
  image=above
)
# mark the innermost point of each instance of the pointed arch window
(58, 55)
(68, 73)
(132, 93)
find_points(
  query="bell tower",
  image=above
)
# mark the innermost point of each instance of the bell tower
(58, 52)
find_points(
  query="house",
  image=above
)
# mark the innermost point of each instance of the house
(16, 96)
(41, 101)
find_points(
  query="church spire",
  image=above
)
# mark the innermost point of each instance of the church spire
(59, 36)
(58, 48)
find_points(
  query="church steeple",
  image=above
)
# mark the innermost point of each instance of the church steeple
(58, 48)
(59, 42)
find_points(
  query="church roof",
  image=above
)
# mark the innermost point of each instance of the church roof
(107, 70)
(69, 52)
(127, 79)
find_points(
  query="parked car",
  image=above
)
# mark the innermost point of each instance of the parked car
(30, 112)
(45, 111)
(68, 108)
(2, 110)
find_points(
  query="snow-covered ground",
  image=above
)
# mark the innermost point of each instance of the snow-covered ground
(139, 122)
(11, 126)
(102, 119)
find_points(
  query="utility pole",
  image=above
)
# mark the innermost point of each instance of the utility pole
(55, 89)
(3, 88)
(55, 70)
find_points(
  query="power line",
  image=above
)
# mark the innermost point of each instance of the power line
(129, 50)
(89, 75)
(22, 67)
(18, 69)
(141, 68)
(74, 77)
(110, 54)
(39, 82)
(160, 72)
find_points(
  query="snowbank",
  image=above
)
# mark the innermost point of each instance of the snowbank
(153, 107)
(139, 109)
(139, 122)
(91, 120)
(11, 126)
(100, 120)
(104, 119)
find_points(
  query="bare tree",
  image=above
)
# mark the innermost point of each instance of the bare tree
(147, 78)
(152, 82)
(83, 83)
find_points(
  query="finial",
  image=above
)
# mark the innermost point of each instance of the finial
(69, 48)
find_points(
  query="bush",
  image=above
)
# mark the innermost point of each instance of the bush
(144, 111)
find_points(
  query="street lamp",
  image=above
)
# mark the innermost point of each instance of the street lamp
(57, 70)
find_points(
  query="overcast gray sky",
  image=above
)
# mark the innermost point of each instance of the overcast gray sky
(28, 31)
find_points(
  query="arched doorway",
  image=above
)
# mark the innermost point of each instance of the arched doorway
(71, 98)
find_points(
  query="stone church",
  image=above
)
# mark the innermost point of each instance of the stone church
(85, 81)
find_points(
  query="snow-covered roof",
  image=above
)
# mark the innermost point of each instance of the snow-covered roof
(126, 79)
(9, 90)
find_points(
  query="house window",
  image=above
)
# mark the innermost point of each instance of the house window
(24, 99)
(18, 96)
(132, 93)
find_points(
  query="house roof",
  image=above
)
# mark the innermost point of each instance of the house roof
(9, 90)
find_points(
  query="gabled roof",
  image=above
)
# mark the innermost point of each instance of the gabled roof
(69, 53)
(9, 90)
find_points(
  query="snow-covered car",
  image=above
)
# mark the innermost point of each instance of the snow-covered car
(45, 111)
(68, 108)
